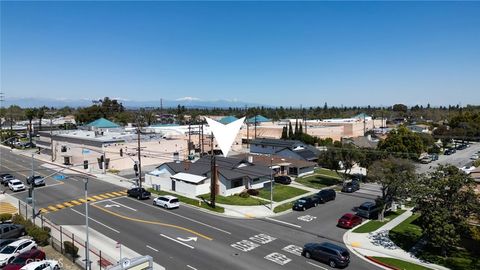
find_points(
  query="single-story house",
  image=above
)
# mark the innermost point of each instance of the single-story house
(285, 148)
(283, 165)
(194, 178)
(362, 142)
(419, 128)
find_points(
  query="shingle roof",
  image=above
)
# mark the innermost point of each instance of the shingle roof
(228, 119)
(277, 142)
(102, 123)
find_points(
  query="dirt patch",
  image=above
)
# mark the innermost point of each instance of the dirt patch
(65, 262)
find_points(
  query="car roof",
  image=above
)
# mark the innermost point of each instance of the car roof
(348, 215)
(28, 253)
(168, 197)
(19, 242)
(368, 204)
(332, 246)
(32, 265)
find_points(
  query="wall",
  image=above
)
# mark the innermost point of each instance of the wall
(305, 171)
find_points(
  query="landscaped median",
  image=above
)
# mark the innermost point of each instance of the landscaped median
(194, 202)
(374, 225)
(393, 263)
(283, 207)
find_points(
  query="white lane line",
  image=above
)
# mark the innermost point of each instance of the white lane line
(318, 266)
(156, 250)
(175, 240)
(283, 222)
(191, 267)
(128, 207)
(178, 215)
(106, 226)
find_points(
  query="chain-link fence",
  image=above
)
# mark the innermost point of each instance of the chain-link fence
(60, 236)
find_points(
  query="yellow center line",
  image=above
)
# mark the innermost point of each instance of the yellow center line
(154, 223)
(97, 197)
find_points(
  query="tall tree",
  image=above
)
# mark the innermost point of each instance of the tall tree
(393, 175)
(300, 129)
(284, 132)
(290, 130)
(30, 114)
(40, 115)
(447, 201)
(296, 127)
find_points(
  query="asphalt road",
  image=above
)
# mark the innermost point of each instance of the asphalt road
(458, 159)
(220, 242)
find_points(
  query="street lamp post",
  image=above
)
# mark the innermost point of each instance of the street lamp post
(271, 182)
(32, 183)
(87, 243)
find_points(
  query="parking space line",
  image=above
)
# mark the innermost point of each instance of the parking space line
(283, 222)
(191, 267)
(156, 250)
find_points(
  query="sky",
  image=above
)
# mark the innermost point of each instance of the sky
(273, 53)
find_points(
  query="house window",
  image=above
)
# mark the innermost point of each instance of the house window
(237, 183)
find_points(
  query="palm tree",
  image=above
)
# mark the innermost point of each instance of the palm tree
(30, 114)
(40, 115)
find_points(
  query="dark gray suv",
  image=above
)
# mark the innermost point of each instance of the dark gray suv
(333, 255)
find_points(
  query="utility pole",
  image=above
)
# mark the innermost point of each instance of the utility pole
(1, 109)
(364, 125)
(51, 136)
(255, 122)
(139, 158)
(161, 111)
(203, 142)
(87, 242)
(213, 178)
(189, 136)
(271, 182)
(248, 136)
(199, 140)
(32, 184)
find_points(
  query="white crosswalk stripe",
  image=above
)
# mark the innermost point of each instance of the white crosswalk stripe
(296, 250)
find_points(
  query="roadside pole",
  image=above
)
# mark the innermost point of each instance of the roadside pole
(32, 184)
(87, 243)
(271, 182)
(139, 159)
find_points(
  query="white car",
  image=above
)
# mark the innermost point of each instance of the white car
(16, 185)
(474, 157)
(9, 252)
(42, 265)
(167, 201)
(467, 169)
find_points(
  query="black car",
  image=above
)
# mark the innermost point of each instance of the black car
(450, 151)
(368, 210)
(326, 195)
(139, 193)
(37, 180)
(5, 177)
(462, 146)
(283, 179)
(304, 203)
(351, 186)
(335, 256)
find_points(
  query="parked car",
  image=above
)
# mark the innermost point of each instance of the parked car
(5, 178)
(462, 146)
(33, 255)
(450, 151)
(16, 185)
(368, 210)
(37, 180)
(335, 256)
(305, 203)
(349, 221)
(474, 157)
(167, 202)
(434, 157)
(351, 186)
(139, 193)
(326, 195)
(4, 242)
(11, 251)
(283, 179)
(8, 231)
(42, 265)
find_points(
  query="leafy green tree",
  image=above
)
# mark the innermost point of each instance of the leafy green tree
(30, 114)
(447, 201)
(107, 108)
(394, 176)
(403, 143)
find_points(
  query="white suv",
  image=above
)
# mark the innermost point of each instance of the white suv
(167, 201)
(9, 252)
(42, 265)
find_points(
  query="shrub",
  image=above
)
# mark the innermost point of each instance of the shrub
(40, 236)
(70, 248)
(244, 195)
(47, 229)
(253, 192)
(18, 219)
(5, 217)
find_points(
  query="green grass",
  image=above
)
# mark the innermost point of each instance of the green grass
(318, 181)
(235, 200)
(400, 264)
(283, 207)
(407, 233)
(281, 192)
(190, 201)
(375, 224)
(328, 172)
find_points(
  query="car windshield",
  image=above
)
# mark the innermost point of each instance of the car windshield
(301, 201)
(349, 184)
(362, 207)
(174, 201)
(345, 218)
(7, 250)
(16, 183)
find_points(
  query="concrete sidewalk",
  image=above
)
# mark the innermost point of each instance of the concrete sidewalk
(377, 243)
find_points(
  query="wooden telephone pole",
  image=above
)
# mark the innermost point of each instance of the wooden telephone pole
(213, 177)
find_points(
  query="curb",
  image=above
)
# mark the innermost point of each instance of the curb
(358, 254)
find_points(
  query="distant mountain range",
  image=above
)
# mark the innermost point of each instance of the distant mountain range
(187, 102)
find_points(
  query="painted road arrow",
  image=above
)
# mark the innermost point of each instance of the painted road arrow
(111, 205)
(188, 239)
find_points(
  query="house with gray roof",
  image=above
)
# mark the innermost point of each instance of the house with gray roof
(194, 178)
(285, 148)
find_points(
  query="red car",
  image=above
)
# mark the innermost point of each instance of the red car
(349, 221)
(25, 258)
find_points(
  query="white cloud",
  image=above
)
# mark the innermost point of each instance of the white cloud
(187, 99)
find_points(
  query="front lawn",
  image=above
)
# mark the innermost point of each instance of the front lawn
(283, 207)
(406, 234)
(399, 264)
(234, 200)
(375, 224)
(281, 192)
(328, 172)
(318, 181)
(190, 201)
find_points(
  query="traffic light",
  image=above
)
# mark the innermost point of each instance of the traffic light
(135, 168)
(85, 164)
